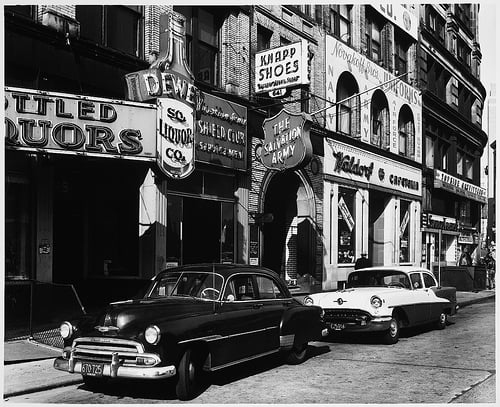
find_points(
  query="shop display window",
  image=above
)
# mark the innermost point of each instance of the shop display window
(346, 225)
(404, 237)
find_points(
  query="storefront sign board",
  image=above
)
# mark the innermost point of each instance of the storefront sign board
(287, 142)
(459, 187)
(400, 16)
(359, 166)
(79, 125)
(221, 133)
(369, 76)
(282, 67)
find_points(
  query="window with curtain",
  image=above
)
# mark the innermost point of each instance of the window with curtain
(203, 25)
(346, 225)
(460, 163)
(469, 164)
(380, 135)
(340, 22)
(348, 111)
(373, 29)
(406, 128)
(444, 155)
(429, 151)
(401, 46)
(117, 27)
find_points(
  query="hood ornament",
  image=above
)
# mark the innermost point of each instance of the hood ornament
(339, 301)
(106, 328)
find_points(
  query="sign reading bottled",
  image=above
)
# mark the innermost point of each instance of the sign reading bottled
(70, 124)
(287, 143)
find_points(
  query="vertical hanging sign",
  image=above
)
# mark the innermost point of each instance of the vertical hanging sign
(171, 82)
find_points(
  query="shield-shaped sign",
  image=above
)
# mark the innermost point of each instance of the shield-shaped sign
(287, 142)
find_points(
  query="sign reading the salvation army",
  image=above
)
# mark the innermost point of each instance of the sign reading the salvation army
(80, 125)
(282, 67)
(221, 133)
(287, 144)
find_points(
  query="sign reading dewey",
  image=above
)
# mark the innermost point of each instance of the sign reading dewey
(286, 141)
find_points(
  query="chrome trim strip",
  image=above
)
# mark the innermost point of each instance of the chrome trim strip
(243, 360)
(211, 338)
(286, 341)
(108, 341)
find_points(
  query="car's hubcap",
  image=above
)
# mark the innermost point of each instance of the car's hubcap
(394, 328)
(191, 371)
(442, 319)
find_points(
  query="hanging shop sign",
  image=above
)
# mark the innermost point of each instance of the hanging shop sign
(170, 80)
(359, 166)
(341, 63)
(79, 125)
(400, 16)
(466, 238)
(287, 143)
(282, 67)
(432, 221)
(221, 133)
(457, 186)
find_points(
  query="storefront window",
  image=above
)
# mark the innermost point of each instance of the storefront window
(18, 224)
(346, 225)
(404, 237)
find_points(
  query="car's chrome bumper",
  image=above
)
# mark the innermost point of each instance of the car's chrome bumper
(374, 325)
(117, 370)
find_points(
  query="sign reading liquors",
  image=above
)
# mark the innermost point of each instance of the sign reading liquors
(287, 143)
(282, 67)
(79, 125)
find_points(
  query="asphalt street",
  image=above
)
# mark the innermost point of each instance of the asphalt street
(456, 365)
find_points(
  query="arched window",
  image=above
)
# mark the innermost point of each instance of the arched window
(406, 127)
(380, 120)
(348, 111)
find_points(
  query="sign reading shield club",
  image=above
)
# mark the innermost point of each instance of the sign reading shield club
(287, 142)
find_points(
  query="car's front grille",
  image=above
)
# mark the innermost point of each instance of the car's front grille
(346, 315)
(100, 350)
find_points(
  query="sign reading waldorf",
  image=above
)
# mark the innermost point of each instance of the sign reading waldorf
(221, 133)
(80, 125)
(364, 168)
(282, 67)
(287, 143)
(402, 101)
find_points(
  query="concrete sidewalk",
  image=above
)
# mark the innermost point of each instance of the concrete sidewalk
(28, 365)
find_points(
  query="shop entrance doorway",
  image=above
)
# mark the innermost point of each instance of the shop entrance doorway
(376, 239)
(289, 239)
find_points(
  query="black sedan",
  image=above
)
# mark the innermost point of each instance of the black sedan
(192, 319)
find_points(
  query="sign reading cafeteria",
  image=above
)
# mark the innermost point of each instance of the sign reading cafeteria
(69, 124)
(282, 67)
(287, 143)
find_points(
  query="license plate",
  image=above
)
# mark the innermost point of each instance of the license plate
(92, 369)
(337, 327)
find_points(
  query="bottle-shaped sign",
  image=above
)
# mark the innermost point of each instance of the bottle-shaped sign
(170, 81)
(175, 138)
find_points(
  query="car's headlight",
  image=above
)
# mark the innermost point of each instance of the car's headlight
(376, 302)
(308, 301)
(152, 334)
(66, 330)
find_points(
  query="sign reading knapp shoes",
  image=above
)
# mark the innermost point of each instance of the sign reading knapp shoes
(458, 186)
(364, 168)
(282, 67)
(79, 125)
(287, 143)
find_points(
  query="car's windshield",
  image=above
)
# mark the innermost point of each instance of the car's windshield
(197, 284)
(378, 278)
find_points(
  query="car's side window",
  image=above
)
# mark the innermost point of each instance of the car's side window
(429, 281)
(240, 288)
(416, 280)
(268, 289)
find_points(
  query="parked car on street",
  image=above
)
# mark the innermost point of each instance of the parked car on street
(386, 299)
(192, 319)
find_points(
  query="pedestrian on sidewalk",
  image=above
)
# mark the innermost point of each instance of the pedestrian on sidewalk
(362, 262)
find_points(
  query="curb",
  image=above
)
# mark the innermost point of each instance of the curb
(43, 387)
(475, 301)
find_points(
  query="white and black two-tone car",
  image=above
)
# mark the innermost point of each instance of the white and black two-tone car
(386, 299)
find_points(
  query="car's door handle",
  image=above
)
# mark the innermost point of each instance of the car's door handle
(256, 306)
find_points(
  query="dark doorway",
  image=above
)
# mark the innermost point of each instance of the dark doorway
(201, 231)
(378, 202)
